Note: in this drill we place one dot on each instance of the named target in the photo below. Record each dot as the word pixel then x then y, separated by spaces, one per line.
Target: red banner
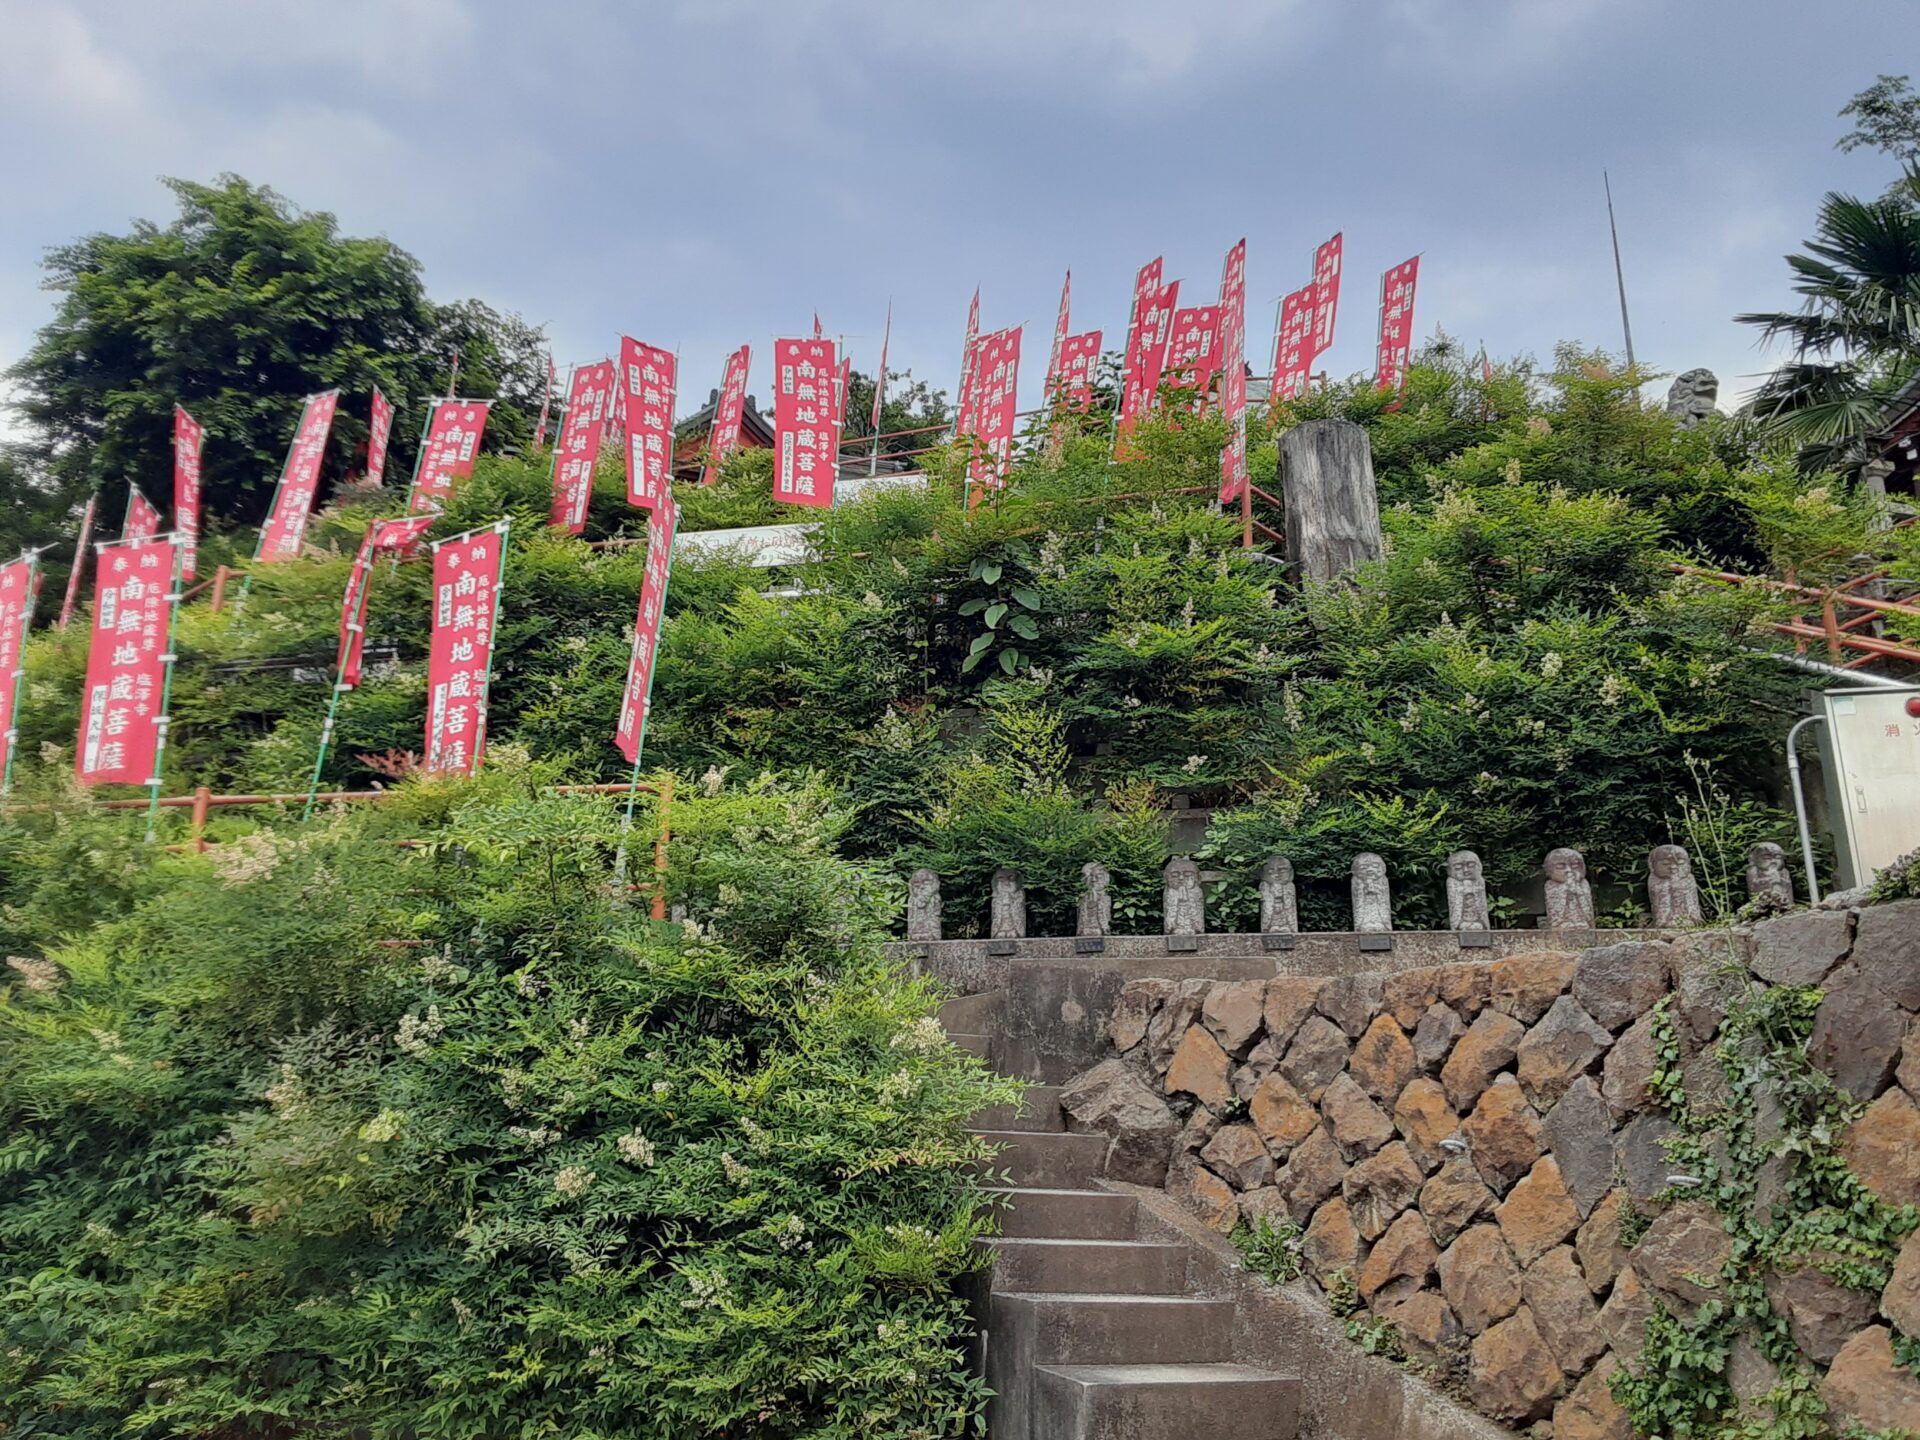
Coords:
pixel 466 599
pixel 1079 360
pixel 996 378
pixel 963 412
pixel 79 560
pixel 397 538
pixel 1193 351
pixel 19 583
pixel 1155 331
pixel 1293 347
pixel 299 480
pixel 546 406
pixel 649 377
pixel 804 372
pixel 188 438
pixel 727 414
pixel 637 700
pixel 379 432
pixel 1326 294
pixel 447 453
pixel 1060 327
pixel 1233 372
pixel 143 520
pixel 122 711
pixel 581 433
pixel 1396 325
pixel 1135 395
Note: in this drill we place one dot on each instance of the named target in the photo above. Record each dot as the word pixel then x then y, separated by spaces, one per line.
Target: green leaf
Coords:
pixel 1027 596
pixel 973 607
pixel 1024 627
pixel 995 611
pixel 990 572
pixel 1009 660
pixel 972 660
pixel 981 642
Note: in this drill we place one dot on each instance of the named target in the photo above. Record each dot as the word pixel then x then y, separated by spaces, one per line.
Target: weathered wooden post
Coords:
pixel 1333 509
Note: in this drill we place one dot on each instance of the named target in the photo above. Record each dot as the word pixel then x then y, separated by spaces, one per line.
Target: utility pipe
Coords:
pixel 1800 804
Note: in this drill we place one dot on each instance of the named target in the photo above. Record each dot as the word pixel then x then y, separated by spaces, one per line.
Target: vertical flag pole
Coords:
pixel 1619 275
pixel 356 624
pixel 18 678
pixel 165 722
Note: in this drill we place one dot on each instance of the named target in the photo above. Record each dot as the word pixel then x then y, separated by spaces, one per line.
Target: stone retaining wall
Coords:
pixel 1478 1147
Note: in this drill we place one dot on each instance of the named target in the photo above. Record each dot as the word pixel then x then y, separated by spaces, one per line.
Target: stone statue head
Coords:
pixel 1767 859
pixel 1369 866
pixel 924 879
pixel 1277 871
pixel 1692 395
pixel 1566 865
pixel 1463 865
pixel 1093 875
pixel 1669 861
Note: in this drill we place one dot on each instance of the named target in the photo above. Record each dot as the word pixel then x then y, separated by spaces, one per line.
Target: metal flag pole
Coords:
pixel 165 721
pixel 19 675
pixel 356 626
pixel 1619 275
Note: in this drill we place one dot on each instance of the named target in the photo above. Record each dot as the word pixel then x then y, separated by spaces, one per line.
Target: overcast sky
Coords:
pixel 705 172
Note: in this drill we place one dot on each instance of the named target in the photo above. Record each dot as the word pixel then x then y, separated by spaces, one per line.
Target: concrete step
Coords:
pixel 1080 1329
pixel 1161 1402
pixel 1042 1214
pixel 1039 1109
pixel 1047 1160
pixel 1109 1267
pixel 981 1045
pixel 979 1014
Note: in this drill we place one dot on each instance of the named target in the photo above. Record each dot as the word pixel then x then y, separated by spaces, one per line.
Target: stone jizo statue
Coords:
pixel 1279 904
pixel 1672 895
pixel 1569 896
pixel 1096 903
pixel 1007 920
pixel 1372 896
pixel 1466 892
pixel 1186 901
pixel 923 906
pixel 1691 397
pixel 1769 882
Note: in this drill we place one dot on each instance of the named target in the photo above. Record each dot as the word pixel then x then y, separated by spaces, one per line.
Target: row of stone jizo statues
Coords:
pixel 1673 896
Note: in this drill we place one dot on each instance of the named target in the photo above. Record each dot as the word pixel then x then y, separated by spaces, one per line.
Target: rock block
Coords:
pixel 1598 1243
pixel 1617 984
pixel 1289 1000
pixel 1426 1326
pixel 1513 1375
pixel 1400 1262
pixel 1382 1060
pixel 1330 1243
pixel 1800 949
pixel 1453 1199
pixel 1590 1412
pixel 1822 1313
pixel 1317 1054
pixel 1556 1293
pixel 1466 986
pixel 1352 1001
pixel 1562 1046
pixel 1627 1073
pixel 1886 943
pixel 1237 1155
pixel 1525 985
pixel 1488 1047
pixel 1314 1171
pixel 1882 1147
pixel 1624 1318
pixel 1378 1189
pixel 1440 1028
pixel 1479 1278
pixel 1424 1119
pixel 1408 995
pixel 1900 1301
pixel 1360 1126
pixel 1502 1133
pixel 1538 1213
pixel 1112 1100
pixel 1857 1033
pixel 1232 1012
pixel 1866 1384
pixel 1681 1256
pixel 1204 1193
pixel 1170 1022
pixel 1200 1068
pixel 1640 1156
pixel 1578 1132
pixel 1133 1012
pixel 1281 1115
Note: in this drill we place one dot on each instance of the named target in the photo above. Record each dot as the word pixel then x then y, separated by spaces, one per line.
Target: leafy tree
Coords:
pixel 1886 117
pixel 237 309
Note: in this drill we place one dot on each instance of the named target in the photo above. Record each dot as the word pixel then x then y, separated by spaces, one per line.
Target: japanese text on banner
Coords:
pixel 1396 324
pixel 581 431
pixel 1079 359
pixel 647 381
pixel 447 454
pixel 293 501
pixel 805 376
pixel 396 538
pixel 143 520
pixel 728 414
pixel 637 699
pixel 122 707
pixel 1193 352
pixel 466 596
pixel 187 442
pixel 1135 392
pixel 16 611
pixel 1293 347
pixel 379 431
pixel 1326 293
pixel 963 415
pixel 996 381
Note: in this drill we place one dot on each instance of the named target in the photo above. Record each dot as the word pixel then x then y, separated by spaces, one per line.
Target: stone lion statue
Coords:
pixel 1691 397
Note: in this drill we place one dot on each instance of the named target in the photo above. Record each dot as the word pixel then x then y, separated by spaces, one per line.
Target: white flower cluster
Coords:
pixel 793 1235
pixel 574 1181
pixel 737 1173
pixel 246 858
pixel 896 1087
pixel 709 1289
pixel 437 967
pixel 540 1136
pixel 1194 763
pixel 635 1149
pixel 926 1036
pixel 758 1140
pixel 42 977
pixel 288 1093
pixel 1612 690
pixel 714 781
pixel 418 1032
pixel 383 1127
pixel 1551 665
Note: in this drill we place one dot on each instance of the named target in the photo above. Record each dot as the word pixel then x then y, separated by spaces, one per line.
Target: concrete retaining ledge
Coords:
pixel 1345 1393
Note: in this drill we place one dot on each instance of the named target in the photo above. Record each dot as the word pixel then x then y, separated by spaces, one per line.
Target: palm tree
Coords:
pixel 1856 336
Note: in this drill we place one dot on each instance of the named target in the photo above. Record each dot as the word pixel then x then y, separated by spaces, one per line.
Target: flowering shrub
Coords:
pixel 322 1133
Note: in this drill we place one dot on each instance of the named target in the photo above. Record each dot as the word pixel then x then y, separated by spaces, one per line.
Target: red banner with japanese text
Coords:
pixel 996 378
pixel 188 438
pixel 1060 327
pixel 582 430
pixel 79 560
pixel 636 701
pixel 447 453
pixel 1079 362
pixel 1326 293
pixel 1136 393
pixel 805 373
pixel 963 415
pixel 143 519
pixel 1396 325
pixel 1233 372
pixel 299 480
pixel 19 584
pixel 1293 348
pixel 122 710
pixel 379 432
pixel 546 405
pixel 396 538
pixel 649 377
pixel 1193 351
pixel 466 603
pixel 728 414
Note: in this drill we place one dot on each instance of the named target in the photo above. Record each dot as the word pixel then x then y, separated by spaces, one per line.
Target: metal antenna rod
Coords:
pixel 1619 275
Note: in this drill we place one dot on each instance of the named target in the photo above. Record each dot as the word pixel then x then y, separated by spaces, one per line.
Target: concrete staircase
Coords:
pixel 1089 1332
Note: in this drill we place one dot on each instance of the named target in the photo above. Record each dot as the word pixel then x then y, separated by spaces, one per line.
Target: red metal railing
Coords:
pixel 1843 614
